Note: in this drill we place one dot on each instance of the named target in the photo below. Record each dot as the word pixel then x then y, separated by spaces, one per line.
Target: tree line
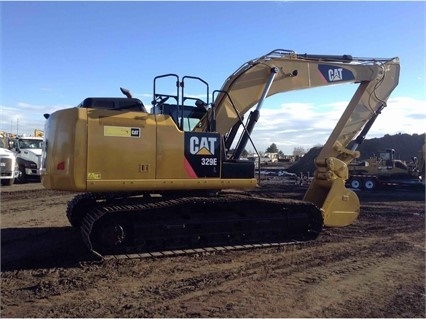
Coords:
pixel 297 151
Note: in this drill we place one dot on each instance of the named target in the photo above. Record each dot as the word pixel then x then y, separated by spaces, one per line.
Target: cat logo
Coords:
pixel 135 132
pixel 332 73
pixel 202 145
pixel 335 74
pixel 202 154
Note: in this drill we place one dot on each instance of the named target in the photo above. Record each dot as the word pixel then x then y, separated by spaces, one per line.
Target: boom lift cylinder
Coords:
pixel 254 116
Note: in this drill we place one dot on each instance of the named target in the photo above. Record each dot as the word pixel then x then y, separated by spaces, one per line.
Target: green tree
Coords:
pixel 272 149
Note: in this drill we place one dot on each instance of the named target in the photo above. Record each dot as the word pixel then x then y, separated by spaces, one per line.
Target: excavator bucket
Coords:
pixel 340 205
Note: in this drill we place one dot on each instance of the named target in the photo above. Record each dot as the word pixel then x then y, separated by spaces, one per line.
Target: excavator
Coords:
pixel 383 169
pixel 166 179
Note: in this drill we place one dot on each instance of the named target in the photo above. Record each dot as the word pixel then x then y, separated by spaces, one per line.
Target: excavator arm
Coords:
pixel 281 71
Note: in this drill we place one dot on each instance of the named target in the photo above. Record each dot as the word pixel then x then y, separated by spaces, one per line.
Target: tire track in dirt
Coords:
pixel 325 268
pixel 22 201
pixel 35 208
pixel 344 278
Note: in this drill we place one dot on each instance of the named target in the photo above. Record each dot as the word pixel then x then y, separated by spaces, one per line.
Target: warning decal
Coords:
pixel 122 131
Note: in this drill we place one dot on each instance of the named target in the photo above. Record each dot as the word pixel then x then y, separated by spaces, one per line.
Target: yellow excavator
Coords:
pixel 166 179
pixel 383 169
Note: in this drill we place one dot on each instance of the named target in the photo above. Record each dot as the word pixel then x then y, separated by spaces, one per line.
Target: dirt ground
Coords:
pixel 373 268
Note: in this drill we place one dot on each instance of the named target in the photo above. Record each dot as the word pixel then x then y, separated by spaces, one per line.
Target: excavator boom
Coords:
pixel 281 71
pixel 243 89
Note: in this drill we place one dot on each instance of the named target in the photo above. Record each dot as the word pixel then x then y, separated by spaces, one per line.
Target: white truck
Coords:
pixel 8 166
pixel 28 155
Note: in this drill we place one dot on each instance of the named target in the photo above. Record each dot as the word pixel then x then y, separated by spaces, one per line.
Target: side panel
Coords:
pixel 170 150
pixel 121 146
pixel 103 150
pixel 65 150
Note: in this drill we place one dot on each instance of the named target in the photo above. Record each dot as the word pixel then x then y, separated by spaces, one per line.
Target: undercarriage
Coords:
pixel 116 224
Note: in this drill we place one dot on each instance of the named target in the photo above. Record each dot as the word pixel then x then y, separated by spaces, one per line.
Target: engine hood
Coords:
pixel 6 152
pixel 29 152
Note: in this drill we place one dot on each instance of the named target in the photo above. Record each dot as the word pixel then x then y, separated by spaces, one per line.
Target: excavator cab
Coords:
pixel 388 158
pixel 186 116
pixel 188 119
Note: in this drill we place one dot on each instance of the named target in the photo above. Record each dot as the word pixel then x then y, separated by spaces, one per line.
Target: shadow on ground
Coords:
pixel 42 247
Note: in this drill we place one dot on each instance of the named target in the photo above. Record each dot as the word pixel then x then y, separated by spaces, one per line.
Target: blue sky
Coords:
pixel 55 54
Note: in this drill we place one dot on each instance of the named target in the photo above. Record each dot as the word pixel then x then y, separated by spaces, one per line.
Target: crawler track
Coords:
pixel 129 224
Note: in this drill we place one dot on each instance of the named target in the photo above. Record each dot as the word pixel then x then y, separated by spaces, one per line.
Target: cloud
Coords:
pixel 9 117
pixel 307 125
pixel 402 115
pixel 25 117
